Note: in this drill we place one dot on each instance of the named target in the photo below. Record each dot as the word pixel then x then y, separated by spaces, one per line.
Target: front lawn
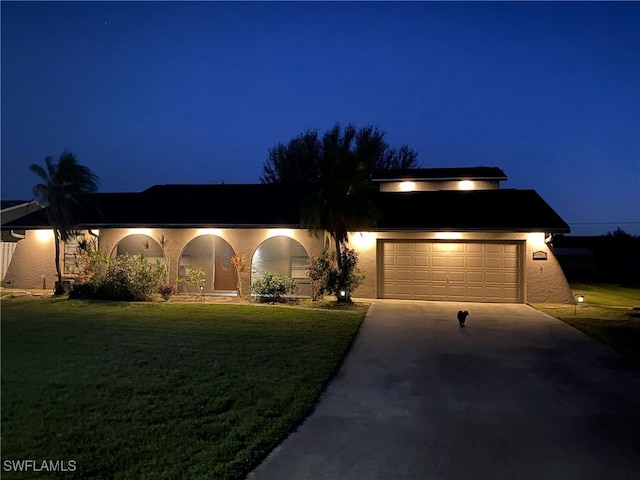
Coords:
pixel 160 390
pixel 610 314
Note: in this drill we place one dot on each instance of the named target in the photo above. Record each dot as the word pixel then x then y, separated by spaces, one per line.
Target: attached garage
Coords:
pixel 451 271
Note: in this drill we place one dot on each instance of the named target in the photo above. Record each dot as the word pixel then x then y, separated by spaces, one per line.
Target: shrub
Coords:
pixel 323 271
pixel 83 291
pixel 127 278
pixel 271 287
pixel 197 278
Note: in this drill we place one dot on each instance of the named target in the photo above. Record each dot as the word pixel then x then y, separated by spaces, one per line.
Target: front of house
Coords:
pixel 447 234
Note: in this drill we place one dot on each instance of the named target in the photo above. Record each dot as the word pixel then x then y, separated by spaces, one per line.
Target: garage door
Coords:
pixel 451 271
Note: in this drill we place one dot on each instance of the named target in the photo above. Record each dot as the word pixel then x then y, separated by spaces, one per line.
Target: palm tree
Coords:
pixel 65 186
pixel 342 198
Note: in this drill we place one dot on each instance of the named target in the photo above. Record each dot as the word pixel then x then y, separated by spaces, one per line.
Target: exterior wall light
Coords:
pixel 139 231
pixel 363 240
pixel 280 232
pixel 537 239
pixel 44 235
pixel 343 293
pixel 466 185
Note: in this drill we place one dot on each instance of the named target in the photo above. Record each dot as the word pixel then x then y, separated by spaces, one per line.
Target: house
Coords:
pixel 448 234
pixel 11 210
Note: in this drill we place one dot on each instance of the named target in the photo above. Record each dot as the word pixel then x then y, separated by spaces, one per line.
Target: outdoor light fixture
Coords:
pixel 363 239
pixel 407 186
pixel 44 235
pixel 343 293
pixel 579 299
pixel 465 185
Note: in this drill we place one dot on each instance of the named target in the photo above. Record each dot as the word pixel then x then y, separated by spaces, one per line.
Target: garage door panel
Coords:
pixel 457 276
pixel 439 276
pixel 494 263
pixel 511 263
pixel 454 271
pixel 474 277
pixel 457 262
pixel 511 248
pixel 438 261
pixel 404 261
pixel 421 261
pixel 474 262
pixel 420 275
pixel 404 247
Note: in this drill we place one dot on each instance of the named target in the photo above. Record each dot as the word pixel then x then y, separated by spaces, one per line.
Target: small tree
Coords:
pixel 240 264
pixel 333 277
pixel 196 277
pixel 316 271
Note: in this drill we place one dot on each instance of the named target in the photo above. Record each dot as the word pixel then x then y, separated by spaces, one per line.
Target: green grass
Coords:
pixel 151 391
pixel 608 295
pixel 610 314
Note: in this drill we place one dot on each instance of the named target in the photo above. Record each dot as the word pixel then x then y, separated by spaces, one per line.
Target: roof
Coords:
pixel 453 173
pixel 475 210
pixel 6 204
pixel 273 205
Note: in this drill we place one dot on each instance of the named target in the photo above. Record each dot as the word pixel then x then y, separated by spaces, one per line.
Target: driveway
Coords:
pixel 514 395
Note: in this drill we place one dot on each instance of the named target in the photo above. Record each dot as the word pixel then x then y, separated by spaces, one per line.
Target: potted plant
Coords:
pixel 166 291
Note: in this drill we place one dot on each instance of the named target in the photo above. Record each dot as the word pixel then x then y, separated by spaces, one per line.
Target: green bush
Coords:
pixel 83 291
pixel 323 271
pixel 127 278
pixel 271 287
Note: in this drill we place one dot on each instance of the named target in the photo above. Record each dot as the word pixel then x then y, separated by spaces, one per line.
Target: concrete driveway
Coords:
pixel 514 395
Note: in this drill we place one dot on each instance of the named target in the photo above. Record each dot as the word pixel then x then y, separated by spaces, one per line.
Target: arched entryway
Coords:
pixel 212 255
pixel 139 244
pixel 284 256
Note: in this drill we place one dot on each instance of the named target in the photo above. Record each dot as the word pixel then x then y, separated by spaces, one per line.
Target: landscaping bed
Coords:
pixel 161 390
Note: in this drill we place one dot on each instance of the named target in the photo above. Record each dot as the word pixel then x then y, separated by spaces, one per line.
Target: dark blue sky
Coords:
pixel 148 93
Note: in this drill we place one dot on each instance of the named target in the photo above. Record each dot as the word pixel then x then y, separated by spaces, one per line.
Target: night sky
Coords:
pixel 151 93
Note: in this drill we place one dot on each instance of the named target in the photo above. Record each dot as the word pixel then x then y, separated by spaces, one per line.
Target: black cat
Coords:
pixel 462 316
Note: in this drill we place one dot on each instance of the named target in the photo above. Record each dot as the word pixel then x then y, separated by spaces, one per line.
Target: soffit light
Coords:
pixel 407 186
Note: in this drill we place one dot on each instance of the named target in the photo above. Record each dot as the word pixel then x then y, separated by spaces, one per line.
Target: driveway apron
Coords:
pixel 514 395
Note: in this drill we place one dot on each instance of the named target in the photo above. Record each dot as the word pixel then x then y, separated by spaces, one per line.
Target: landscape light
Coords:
pixel 580 299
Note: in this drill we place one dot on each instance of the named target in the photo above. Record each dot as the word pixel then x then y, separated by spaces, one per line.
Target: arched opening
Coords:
pixel 284 256
pixel 211 255
pixel 139 244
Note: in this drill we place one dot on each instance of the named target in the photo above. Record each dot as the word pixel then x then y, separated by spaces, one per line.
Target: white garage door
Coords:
pixel 451 271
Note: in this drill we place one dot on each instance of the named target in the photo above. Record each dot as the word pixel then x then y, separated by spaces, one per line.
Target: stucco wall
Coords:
pixel 32 264
pixel 545 280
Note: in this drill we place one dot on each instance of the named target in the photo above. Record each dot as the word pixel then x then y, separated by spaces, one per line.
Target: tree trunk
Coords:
pixel 339 295
pixel 59 288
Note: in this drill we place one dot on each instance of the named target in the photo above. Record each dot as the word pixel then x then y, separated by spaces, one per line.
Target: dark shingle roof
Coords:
pixel 273 205
pixel 494 210
pixel 453 173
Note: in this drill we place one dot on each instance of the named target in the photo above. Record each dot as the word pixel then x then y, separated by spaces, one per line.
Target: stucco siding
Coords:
pixel 32 264
pixel 545 280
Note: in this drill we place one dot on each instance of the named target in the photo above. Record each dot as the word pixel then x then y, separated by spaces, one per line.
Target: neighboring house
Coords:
pixel 447 234
pixel 11 210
